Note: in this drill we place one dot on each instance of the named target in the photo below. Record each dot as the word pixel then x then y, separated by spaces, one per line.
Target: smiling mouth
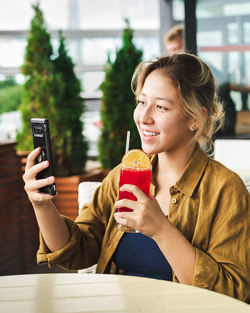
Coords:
pixel 150 134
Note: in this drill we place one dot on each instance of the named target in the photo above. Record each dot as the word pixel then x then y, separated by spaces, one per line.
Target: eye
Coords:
pixel 161 108
pixel 140 102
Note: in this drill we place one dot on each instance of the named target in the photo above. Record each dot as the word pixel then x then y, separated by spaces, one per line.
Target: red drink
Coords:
pixel 134 176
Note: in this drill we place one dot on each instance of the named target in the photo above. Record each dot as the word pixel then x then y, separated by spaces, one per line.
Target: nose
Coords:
pixel 146 116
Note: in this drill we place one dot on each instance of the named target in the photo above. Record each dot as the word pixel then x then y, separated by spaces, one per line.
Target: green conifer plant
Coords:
pixel 72 153
pixel 52 90
pixel 118 103
pixel 38 99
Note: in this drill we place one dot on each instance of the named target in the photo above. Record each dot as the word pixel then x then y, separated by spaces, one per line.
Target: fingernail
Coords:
pixel 51 179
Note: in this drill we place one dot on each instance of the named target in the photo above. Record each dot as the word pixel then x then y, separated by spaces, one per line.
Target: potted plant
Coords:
pixel 52 90
pixel 72 152
pixel 118 103
pixel 38 90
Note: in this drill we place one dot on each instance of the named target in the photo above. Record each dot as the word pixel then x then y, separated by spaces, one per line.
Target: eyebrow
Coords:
pixel 159 98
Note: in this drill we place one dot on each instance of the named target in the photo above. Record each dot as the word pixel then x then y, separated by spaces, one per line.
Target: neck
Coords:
pixel 174 162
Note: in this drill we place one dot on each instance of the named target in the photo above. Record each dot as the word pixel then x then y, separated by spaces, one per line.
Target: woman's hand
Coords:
pixel 54 230
pixel 149 219
pixel 31 184
pixel 147 216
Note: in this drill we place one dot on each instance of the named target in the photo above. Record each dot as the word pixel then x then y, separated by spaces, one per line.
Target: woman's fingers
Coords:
pixel 40 197
pixel 125 203
pixel 146 215
pixel 137 192
pixel 35 185
pixel 38 168
pixel 32 185
pixel 120 218
pixel 31 158
pixel 142 199
pixel 125 218
pixel 32 172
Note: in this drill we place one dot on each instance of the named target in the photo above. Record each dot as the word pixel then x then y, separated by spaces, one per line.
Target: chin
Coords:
pixel 148 149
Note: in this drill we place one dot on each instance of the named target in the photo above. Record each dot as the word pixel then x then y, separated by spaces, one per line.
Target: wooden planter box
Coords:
pixel 67 187
pixel 18 226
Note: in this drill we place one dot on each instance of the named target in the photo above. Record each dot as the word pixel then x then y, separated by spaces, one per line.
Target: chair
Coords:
pixel 86 190
pixel 85 194
pixel 234 154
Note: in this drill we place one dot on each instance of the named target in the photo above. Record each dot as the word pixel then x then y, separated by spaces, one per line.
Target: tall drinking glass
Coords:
pixel 140 177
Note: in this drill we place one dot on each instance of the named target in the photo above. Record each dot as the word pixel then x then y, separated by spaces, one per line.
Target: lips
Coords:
pixel 148 133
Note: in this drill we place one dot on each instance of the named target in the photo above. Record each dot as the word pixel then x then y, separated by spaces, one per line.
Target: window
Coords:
pixel 93 31
pixel 223 41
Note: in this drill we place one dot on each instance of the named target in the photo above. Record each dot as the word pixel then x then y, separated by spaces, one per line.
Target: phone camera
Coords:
pixel 38 131
pixel 41 157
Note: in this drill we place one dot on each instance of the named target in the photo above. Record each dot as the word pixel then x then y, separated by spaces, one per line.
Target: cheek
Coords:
pixel 172 126
pixel 168 125
pixel 136 115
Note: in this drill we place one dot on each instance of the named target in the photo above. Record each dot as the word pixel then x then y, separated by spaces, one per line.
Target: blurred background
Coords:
pixel 93 30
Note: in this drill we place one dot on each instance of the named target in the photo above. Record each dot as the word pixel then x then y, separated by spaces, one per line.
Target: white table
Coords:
pixel 51 293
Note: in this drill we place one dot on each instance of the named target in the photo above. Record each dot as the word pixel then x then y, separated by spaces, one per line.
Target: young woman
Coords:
pixel 195 228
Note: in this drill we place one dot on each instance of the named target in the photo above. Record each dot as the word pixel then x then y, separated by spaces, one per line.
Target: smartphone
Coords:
pixel 41 138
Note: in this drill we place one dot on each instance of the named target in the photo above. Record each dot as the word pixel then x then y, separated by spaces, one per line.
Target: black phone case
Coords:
pixel 41 138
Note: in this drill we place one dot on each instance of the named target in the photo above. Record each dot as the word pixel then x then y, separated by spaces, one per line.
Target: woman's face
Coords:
pixel 161 123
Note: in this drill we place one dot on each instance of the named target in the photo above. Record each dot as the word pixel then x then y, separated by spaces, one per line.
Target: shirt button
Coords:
pixel 174 201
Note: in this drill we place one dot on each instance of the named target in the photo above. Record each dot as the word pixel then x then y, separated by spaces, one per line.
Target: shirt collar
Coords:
pixel 192 173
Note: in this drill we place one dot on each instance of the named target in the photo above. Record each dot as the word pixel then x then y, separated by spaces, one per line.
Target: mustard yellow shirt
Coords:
pixel 209 204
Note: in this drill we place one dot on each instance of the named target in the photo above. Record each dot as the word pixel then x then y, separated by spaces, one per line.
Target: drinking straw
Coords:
pixel 127 141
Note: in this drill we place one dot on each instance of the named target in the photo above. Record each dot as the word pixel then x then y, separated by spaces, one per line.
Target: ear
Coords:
pixel 194 124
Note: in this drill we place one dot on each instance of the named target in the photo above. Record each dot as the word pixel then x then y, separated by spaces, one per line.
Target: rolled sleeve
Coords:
pixel 89 233
pixel 60 257
pixel 206 270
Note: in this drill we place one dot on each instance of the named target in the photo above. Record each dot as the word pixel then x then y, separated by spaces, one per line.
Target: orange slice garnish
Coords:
pixel 136 158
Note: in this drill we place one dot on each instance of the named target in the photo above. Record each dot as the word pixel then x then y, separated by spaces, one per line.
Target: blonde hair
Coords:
pixel 196 86
pixel 176 32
